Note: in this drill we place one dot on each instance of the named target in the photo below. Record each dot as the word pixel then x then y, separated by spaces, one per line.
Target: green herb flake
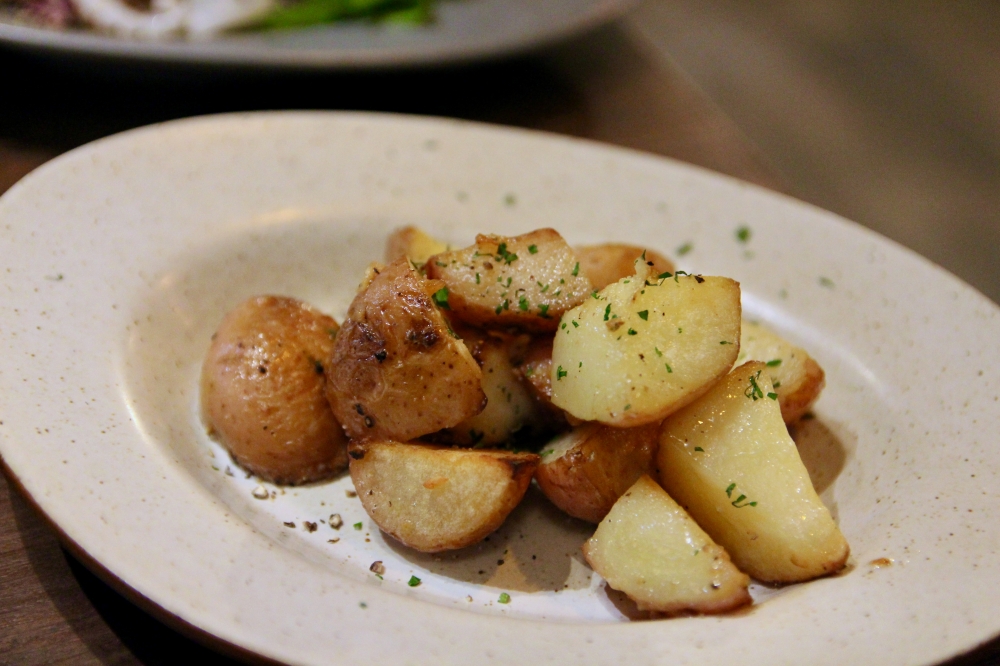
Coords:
pixel 523 304
pixel 772 396
pixel 504 598
pixel 544 287
pixel 669 369
pixel 743 234
pixel 729 490
pixel 504 255
pixel 362 605
pixel 664 276
pixel 413 582
pixel 560 373
pixel 773 363
pixel 563 325
pixel 826 282
pixel 576 270
pixel 575 323
pixel 510 200
pixel 777 384
pixel 632 331
pixel 644 315
pixel 684 249
pixel 532 249
pixel 754 392
pixel 607 312
pixel 657 350
pixel 503 306
pixel 698 448
pixel 440 298
pixel 357 526
pixel 543 311
pixel 725 342
pixel 628 407
pixel 477 278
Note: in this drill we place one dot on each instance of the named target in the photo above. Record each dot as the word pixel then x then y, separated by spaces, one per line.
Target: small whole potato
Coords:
pixel 263 391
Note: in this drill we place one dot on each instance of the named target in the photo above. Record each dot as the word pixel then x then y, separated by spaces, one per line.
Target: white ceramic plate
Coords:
pixel 464 30
pixel 119 259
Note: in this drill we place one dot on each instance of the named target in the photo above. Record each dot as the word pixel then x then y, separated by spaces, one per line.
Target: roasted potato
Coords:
pixel 650 549
pixel 586 470
pixel 797 378
pixel 397 370
pixel 262 390
pixel 643 348
pixel 525 281
pixel 607 263
pixel 728 460
pixel 413 243
pixel 432 498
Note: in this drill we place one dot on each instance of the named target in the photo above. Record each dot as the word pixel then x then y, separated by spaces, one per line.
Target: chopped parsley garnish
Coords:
pixel 594 293
pixel 504 255
pixel 510 200
pixel 523 304
pixel 632 331
pixel 560 373
pixel 772 396
pixel 504 598
pixel 725 342
pixel 576 270
pixel 477 278
pixel 826 282
pixel 413 582
pixel 563 325
pixel 773 363
pixel 669 369
pixel 698 448
pixel 440 298
pixel 644 315
pixel 657 350
pixel 607 312
pixel 664 276
pixel 575 324
pixel 532 249
pixel 628 407
pixel 684 249
pixel 357 526
pixel 543 287
pixel 543 311
pixel 754 392
pixel 743 234
pixel 777 384
pixel 503 306
pixel 736 502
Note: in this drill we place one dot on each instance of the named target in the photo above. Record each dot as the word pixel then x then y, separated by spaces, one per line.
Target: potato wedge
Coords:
pixel 728 459
pixel 397 371
pixel 585 471
pixel 525 281
pixel 262 391
pixel 510 406
pixel 609 262
pixel 642 349
pixel 432 498
pixel 413 243
pixel 650 549
pixel 797 378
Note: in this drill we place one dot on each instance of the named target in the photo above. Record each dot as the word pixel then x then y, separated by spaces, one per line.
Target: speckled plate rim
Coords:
pixel 449 42
pixel 900 337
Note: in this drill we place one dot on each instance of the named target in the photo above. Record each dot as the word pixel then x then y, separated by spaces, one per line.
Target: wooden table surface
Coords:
pixel 611 85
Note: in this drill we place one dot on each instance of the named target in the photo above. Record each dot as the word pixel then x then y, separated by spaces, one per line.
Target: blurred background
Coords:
pixel 886 113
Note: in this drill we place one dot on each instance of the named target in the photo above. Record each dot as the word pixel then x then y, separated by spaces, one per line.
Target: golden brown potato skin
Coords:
pixel 262 391
pixel 526 282
pixel 610 262
pixel 397 371
pixel 413 243
pixel 432 498
pixel 599 465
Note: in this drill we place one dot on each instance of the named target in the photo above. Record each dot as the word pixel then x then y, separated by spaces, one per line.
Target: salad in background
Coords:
pixel 194 19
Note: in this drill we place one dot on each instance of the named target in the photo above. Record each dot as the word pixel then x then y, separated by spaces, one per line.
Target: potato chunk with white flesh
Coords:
pixel 525 281
pixel 643 348
pixel 413 243
pixel 585 471
pixel 728 459
pixel 262 390
pixel 610 262
pixel 510 406
pixel 432 498
pixel 397 369
pixel 798 379
pixel 650 549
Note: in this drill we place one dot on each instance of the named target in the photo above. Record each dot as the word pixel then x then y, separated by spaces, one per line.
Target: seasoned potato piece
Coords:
pixel 798 379
pixel 651 550
pixel 433 499
pixel 536 368
pixel 728 459
pixel 413 243
pixel 586 470
pixel 262 390
pixel 609 262
pixel 510 406
pixel 397 370
pixel 524 281
pixel 642 349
